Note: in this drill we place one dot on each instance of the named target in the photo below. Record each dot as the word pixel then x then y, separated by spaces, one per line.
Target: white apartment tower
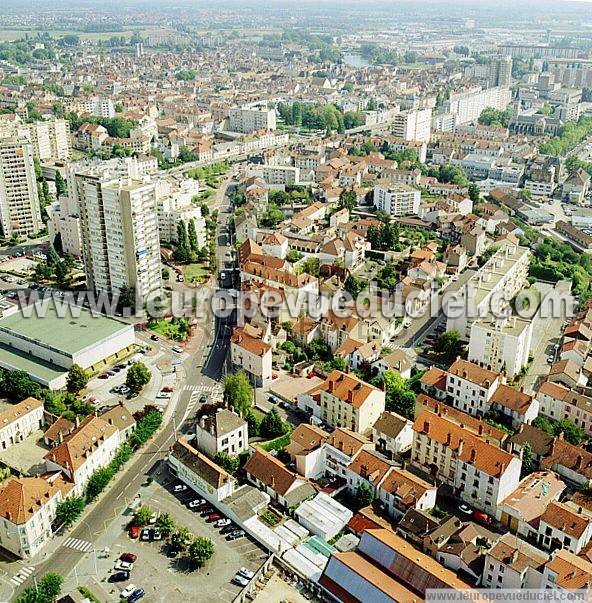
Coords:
pixel 397 199
pixel 414 124
pixel 119 228
pixel 19 199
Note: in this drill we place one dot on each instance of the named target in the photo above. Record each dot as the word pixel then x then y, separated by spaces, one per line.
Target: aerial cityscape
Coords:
pixel 295 301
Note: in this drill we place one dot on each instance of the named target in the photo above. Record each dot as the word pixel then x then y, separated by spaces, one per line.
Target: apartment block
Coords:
pixel 19 200
pixel 343 400
pixel 413 124
pixel 478 472
pixel 19 421
pixel 251 118
pixel 497 282
pixel 501 345
pixel 63 220
pixel 120 238
pixel 397 200
pixel 27 511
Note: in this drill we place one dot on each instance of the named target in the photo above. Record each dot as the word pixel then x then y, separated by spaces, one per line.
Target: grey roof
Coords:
pixel 391 424
pixel 246 502
pixel 222 422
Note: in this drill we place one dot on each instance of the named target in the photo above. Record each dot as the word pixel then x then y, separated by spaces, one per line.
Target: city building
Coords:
pixel 252 355
pixel 501 345
pixel 251 118
pixel 497 281
pixel 221 431
pixel 397 199
pixel 63 220
pixel 90 447
pixel 19 421
pixel 45 342
pixel 27 512
pixel 343 400
pixel 120 237
pixel 413 124
pixel 479 472
pixel 20 212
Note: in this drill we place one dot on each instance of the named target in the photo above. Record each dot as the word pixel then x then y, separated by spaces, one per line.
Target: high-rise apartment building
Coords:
pixel 19 199
pixel 500 72
pixel 397 199
pixel 119 228
pixel 50 137
pixel 413 124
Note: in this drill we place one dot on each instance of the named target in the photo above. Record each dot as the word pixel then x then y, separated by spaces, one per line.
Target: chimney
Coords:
pixel 480 430
pixel 350 395
pixel 473 455
pixel 331 385
pixel 426 427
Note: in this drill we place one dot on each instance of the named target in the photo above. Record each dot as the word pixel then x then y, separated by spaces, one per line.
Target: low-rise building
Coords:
pixel 392 434
pixel 19 421
pixel 563 527
pixel 221 431
pixel 27 511
pixel 252 355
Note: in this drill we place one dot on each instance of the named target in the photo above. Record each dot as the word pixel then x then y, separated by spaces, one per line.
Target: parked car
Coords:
pixel 177 349
pixel 125 566
pixel 154 337
pixel 240 580
pixel 196 503
pixel 482 518
pixel 203 507
pixel 550 359
pixel 119 577
pixel 227 529
pixel 156 535
pixel 126 592
pixel 247 573
pixel 167 388
pixel 103 376
pixel 172 552
pixel 207 511
pixel 465 509
pixel 164 395
pixel 136 595
pixel 222 523
pixel 153 518
pixel 134 531
pixel 129 557
pixel 213 517
pixel 180 488
pixel 145 535
pixel 235 534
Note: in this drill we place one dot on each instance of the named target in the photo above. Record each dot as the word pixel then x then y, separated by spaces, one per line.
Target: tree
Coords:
pixel 138 375
pixel 77 379
pixel 165 523
pixel 238 392
pixel 227 462
pixel 17 385
pixel 142 515
pixel 273 216
pixel 474 193
pixel 181 538
pixel 200 550
pixel 354 285
pixel 399 397
pixel 182 250
pixel 253 423
pixel 60 183
pixel 571 432
pixel 527 465
pixel 449 345
pixel 272 425
pixel 347 200
pixel 364 495
pixel 69 510
pixel 192 236
pixel 127 298
pixel 47 590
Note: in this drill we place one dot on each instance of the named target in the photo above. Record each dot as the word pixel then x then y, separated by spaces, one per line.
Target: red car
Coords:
pixel 103 376
pixel 167 388
pixel 134 532
pixel 129 557
pixel 482 518
pixel 213 517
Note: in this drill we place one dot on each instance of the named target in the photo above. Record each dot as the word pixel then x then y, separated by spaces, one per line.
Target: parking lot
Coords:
pixel 213 582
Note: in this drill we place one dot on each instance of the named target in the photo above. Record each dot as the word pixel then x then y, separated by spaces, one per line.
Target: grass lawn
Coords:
pixel 168 329
pixel 258 413
pixel 277 444
pixel 195 273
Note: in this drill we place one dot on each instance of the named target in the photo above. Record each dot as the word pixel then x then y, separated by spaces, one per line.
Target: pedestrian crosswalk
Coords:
pixel 22 576
pixel 84 546
pixel 211 392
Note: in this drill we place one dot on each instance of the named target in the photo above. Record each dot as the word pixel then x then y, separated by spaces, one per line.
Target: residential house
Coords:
pixel 221 431
pixel 392 434
pixel 17 422
pixel 563 527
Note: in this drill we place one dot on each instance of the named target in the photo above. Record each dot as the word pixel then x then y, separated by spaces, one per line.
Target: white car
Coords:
pixel 128 590
pixel 247 573
pixel 196 503
pixel 177 349
pixel 164 395
pixel 125 566
pixel 222 523
pixel 153 518
pixel 180 488
pixel 240 580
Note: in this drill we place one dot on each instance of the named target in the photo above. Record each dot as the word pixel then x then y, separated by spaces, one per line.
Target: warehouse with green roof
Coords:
pixel 47 338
